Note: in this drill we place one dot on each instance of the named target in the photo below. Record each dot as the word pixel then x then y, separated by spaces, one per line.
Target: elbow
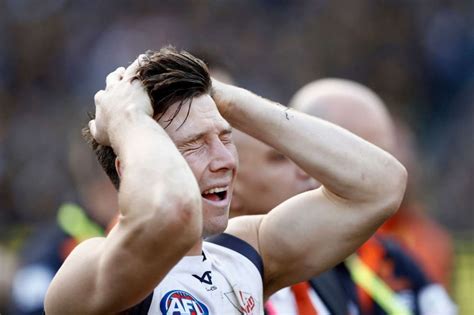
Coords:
pixel 188 219
pixel 183 216
pixel 169 213
pixel 393 189
pixel 398 187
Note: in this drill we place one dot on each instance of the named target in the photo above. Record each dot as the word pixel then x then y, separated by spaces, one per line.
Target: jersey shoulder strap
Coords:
pixel 240 246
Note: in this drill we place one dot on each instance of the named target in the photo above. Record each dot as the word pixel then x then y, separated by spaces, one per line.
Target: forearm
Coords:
pixel 154 175
pixel 338 159
pixel 159 198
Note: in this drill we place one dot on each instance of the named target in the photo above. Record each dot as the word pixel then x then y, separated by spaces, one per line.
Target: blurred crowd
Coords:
pixel 54 54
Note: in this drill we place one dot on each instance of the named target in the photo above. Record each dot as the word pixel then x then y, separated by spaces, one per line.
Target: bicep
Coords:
pixel 308 234
pixel 101 276
pixel 72 282
pixel 108 275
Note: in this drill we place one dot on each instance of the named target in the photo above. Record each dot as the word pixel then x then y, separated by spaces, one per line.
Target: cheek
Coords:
pixel 197 165
pixel 233 151
pixel 278 182
pixel 262 181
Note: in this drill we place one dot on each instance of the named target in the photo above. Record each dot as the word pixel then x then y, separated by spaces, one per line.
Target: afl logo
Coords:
pixel 179 302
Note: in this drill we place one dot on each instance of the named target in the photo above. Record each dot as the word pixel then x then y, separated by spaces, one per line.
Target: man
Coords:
pixel 361 111
pixel 176 186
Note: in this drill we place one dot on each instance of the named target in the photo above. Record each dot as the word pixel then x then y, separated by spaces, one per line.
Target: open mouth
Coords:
pixel 215 194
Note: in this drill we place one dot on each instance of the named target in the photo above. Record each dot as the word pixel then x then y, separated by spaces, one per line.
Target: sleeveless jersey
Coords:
pixel 227 279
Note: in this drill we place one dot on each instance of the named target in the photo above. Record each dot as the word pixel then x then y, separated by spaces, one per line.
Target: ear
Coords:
pixel 118 167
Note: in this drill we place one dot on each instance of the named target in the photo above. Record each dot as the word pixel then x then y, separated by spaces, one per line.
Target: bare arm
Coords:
pixel 309 233
pixel 158 196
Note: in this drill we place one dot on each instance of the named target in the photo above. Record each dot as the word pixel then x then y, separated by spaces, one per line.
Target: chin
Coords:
pixel 215 226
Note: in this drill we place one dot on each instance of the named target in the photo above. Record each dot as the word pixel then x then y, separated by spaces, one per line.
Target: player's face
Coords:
pixel 205 141
pixel 266 177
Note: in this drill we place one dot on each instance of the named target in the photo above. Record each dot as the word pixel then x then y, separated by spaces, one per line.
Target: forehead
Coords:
pixel 201 118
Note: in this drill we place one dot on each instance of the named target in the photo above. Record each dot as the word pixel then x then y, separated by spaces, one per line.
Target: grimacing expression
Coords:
pixel 266 177
pixel 205 141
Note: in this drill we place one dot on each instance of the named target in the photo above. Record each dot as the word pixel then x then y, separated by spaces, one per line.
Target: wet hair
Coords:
pixel 169 76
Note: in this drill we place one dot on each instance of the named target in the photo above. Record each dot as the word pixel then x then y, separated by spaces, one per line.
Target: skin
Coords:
pixel 266 177
pixel 126 265
pixel 353 194
pixel 161 192
pixel 268 174
pixel 350 105
pixel 205 141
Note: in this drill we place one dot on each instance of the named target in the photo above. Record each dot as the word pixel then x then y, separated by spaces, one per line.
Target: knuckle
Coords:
pixel 98 97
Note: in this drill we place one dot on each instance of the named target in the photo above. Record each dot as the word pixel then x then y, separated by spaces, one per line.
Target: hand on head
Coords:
pixel 122 94
pixel 220 96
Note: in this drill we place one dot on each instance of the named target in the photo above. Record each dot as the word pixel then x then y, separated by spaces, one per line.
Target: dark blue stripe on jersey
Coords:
pixel 240 246
pixel 141 308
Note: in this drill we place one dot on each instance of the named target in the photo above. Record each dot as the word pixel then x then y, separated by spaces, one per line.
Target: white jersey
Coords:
pixel 225 280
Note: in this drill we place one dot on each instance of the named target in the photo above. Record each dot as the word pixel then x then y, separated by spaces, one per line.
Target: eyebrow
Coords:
pixel 196 137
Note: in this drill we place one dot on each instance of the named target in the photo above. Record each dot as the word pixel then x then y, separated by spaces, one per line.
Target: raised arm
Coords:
pixel 362 186
pixel 158 196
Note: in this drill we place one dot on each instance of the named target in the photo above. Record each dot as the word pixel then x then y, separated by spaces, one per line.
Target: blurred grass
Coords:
pixel 463 292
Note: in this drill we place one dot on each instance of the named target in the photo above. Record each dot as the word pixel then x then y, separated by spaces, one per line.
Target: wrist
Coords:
pixel 226 97
pixel 123 123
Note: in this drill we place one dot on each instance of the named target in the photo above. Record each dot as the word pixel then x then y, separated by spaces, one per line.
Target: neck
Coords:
pixel 196 249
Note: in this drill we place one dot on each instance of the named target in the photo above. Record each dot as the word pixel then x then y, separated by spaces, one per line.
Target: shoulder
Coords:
pixel 246 228
pixel 235 250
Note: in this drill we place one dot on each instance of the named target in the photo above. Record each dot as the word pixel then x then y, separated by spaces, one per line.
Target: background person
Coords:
pixel 359 110
pixel 46 249
pixel 266 178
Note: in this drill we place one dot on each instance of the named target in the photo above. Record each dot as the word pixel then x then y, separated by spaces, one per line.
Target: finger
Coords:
pixel 131 70
pixel 98 97
pixel 114 76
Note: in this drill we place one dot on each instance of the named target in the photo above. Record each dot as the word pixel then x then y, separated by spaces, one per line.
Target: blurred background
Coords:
pixel 54 55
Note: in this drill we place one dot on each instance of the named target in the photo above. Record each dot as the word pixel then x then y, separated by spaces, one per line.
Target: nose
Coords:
pixel 222 156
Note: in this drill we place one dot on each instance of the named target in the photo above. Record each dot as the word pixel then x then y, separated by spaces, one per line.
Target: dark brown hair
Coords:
pixel 169 76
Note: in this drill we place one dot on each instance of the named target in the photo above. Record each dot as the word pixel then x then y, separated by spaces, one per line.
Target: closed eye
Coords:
pixel 190 146
pixel 275 156
pixel 226 136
